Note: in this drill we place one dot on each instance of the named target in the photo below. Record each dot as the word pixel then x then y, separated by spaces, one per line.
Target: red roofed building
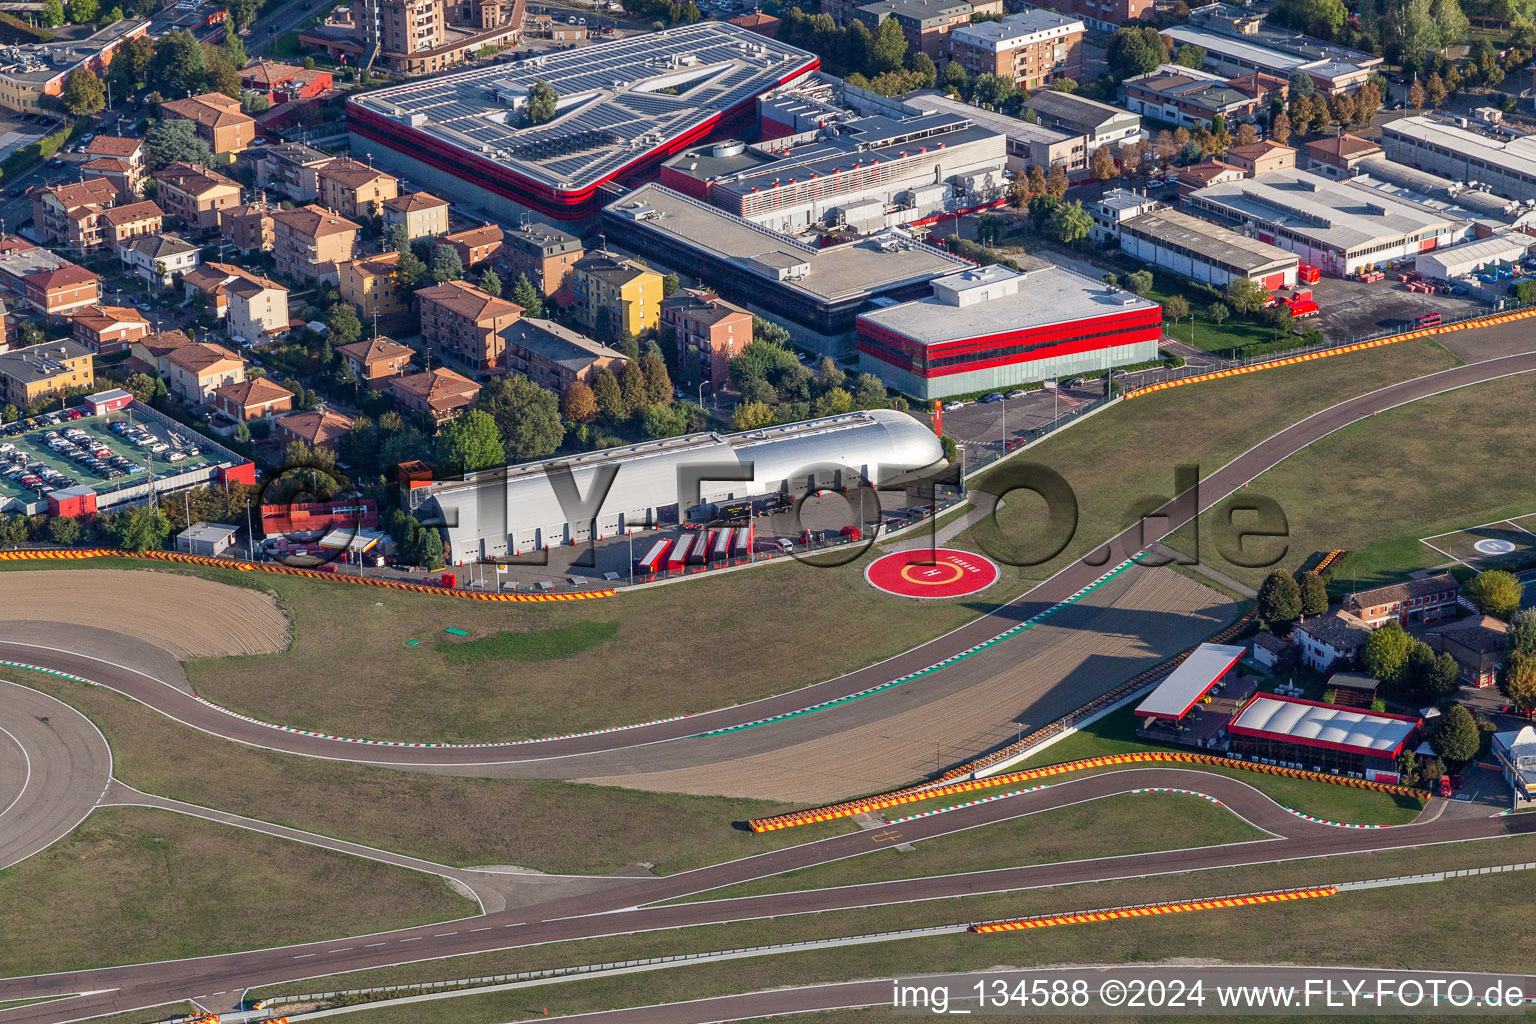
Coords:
pixel 56 292
pixel 284 83
pixel 108 329
pixel 1322 737
pixel 318 429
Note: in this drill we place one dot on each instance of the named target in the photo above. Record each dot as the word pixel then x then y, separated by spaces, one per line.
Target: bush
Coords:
pixel 14 30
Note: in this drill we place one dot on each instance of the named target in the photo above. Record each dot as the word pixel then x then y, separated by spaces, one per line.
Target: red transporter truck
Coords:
pixel 720 544
pixel 679 555
pixel 654 560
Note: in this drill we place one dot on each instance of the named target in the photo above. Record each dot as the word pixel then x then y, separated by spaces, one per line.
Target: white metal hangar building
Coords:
pixel 528 507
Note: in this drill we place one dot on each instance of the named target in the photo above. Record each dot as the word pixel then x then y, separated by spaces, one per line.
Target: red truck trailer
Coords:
pixel 720 545
pixel 679 555
pixel 654 560
pixel 742 546
pixel 699 553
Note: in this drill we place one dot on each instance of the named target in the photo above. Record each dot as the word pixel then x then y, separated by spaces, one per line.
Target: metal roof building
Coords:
pixel 523 508
pixel 1205 252
pixel 1189 682
pixel 1494 155
pixel 617 111
pixel 1296 731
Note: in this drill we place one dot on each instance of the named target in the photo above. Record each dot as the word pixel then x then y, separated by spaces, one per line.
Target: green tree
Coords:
pixel 490 282
pixel 1440 678
pixel 1321 18
pixel 52 14
pixel 1070 222
pixel 1314 594
pixel 83 93
pixel 1517 678
pixel 410 271
pixel 542 103
pixel 179 67
pixel 1522 631
pixel 1408 767
pixel 662 421
pixel 222 76
pixel 658 383
pixel 65 531
pixel 1385 654
pixel 141 385
pixel 527 296
pixel 342 327
pixel 869 392
pixel 469 442
pixel 1495 593
pixel 834 403
pixel 233 50
pixel 397 239
pixel 1302 84
pixel 1279 598
pixel 1455 737
pixel 669 285
pixel 1176 307
pixel 1135 51
pixel 751 415
pixel 82 12
pixel 889 48
pixel 527 416
pixel 926 71
pixel 610 399
pixel 632 387
pixel 446 265
pixel 1246 295
pixel 578 404
pixel 1190 55
pixel 138 529
pixel 129 60
pixel 1216 313
pixel 177 141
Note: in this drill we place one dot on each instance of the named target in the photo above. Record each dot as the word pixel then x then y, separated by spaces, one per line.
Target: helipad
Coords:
pixel 932 573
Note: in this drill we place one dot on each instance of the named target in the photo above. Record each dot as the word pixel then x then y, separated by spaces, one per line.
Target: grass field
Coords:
pixel 450 820
pixel 1439 464
pixel 659 652
pixel 1110 827
pixel 1351 933
pixel 134 884
pixel 1117 460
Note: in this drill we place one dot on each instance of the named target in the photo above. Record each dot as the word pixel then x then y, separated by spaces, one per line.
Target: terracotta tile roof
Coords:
pixel 1342 147
pixel 100 318
pixel 376 350
pixel 314 221
pixel 200 357
pixel 472 237
pixel 1206 172
pixel 414 201
pixel 351 173
pixel 212 109
pixel 1406 590
pixel 194 181
pixel 315 428
pixel 164 343
pixel 264 72
pixel 254 391
pixel 1338 629
pixel 1257 150
pixel 83 193
pixel 62 277
pixel 107 165
pixel 440 389
pixel 468 301
pixel 113 145
pixel 119 215
pixel 377 265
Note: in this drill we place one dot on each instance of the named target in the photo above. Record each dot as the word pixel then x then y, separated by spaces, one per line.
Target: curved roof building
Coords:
pixel 526 507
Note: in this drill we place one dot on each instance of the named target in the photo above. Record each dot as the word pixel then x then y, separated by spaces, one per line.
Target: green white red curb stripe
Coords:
pixel 1332 824
pixel 1187 792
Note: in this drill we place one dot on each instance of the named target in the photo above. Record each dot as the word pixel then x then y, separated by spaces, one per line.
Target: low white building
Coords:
pixel 1115 207
pixel 1458 261
pixel 1332 640
pixel 1205 252
pixel 159 258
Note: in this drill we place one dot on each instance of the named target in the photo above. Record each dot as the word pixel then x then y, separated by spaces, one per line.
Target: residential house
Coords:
pixel 614 297
pixel 1427 599
pixel 355 189
pixel 757 21
pixel 151 352
pixel 1331 640
pixel 194 372
pixel 476 245
pixel 158 259
pixel 209 281
pixel 255 398
pixel 107 329
pixel 1479 645
pixel 248 227
pixel 545 255
pixel 220 121
pixel 123 223
pixel 708 330
pixel 318 429
pixel 1209 172
pixel 926 24
pixel 284 83
pixel 1189 97
pixel 554 356
pixel 376 361
pixel 39 372
pixel 57 292
pixel 440 393
pixel 120 161
pixel 1336 156
pixel 309 243
pixel 1261 158
pixel 292 169
pixel 258 309
pixel 464 323
pixel 195 196
pixel 1103 15
pixel 371 284
pixel 69 215
pixel 423 215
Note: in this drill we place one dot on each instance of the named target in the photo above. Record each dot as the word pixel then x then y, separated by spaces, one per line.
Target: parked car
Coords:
pixel 993 397
pixel 952 406
pixel 1016 393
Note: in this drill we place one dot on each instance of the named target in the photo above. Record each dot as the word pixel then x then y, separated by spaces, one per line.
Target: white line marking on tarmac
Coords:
pixel 440 935
pixel 413 938
pixel 301 956
pixel 343 949
pixel 372 944
pixel 485 929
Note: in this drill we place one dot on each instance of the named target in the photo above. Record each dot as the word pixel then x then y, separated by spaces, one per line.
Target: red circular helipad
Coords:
pixel 932 573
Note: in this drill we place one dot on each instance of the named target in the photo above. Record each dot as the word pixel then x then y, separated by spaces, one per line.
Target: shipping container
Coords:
pixel 654 560
pixel 720 545
pixel 679 555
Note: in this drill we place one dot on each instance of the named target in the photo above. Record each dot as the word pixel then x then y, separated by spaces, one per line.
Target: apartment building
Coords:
pixel 377 361
pixel 708 331
pixel 441 394
pixel 194 372
pixel 614 296
pixel 159 259
pixel 284 83
pixel 33 374
pixel 371 284
pixel 69 215
pixel 250 400
pixel 124 223
pixel 1033 48
pixel 1190 97
pixel 120 161
pixel 220 121
pixel 1102 15
pixel 62 290
pixel 545 255
pixel 464 323
pixel 248 227
pixel 354 189
pixel 107 330
pixel 291 169
pixel 310 243
pixel 554 356
pixel 475 245
pixel 927 24
pixel 1261 158
pixel 422 214
pixel 316 428
pixel 258 309
pixel 195 196
pixel 1338 156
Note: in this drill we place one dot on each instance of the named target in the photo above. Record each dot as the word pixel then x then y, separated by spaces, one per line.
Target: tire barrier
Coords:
pixel 1154 909
pixel 205 702
pixel 1094 706
pixel 1360 346
pixel 292 570
pixel 915 794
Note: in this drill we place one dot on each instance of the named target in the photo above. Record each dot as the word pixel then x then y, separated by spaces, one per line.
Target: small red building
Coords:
pixel 72 502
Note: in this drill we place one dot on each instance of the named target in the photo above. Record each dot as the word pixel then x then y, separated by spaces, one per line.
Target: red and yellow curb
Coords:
pixel 1361 346
pixel 1155 909
pixel 290 570
pixel 915 794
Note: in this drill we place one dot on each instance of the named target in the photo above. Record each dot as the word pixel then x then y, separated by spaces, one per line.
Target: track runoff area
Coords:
pixel 1502 544
pixel 932 573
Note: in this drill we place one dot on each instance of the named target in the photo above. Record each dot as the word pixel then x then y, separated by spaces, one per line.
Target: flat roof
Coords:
pixel 1209 240
pixel 835 273
pixel 612 108
pixel 1219 44
pixel 1015 128
pixel 1189 682
pixel 1341 214
pixel 1016 27
pixel 1326 726
pixel 1504 148
pixel 1049 295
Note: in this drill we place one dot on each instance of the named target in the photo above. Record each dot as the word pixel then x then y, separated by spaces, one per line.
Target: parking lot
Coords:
pixel 26 454
pixel 1354 309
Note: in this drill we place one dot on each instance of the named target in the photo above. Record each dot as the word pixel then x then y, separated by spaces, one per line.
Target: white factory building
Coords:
pixel 1458 261
pixel 519 509
pixel 1493 154
pixel 1205 252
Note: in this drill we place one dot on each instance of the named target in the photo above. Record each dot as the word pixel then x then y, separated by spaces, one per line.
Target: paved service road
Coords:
pixel 618 911
pixel 54 765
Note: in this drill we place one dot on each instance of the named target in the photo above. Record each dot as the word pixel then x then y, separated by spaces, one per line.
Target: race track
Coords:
pixel 54 766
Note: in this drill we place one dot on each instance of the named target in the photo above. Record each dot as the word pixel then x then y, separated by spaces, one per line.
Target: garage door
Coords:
pixel 1274 281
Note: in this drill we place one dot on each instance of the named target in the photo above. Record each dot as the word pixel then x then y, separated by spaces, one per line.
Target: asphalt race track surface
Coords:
pixel 54 766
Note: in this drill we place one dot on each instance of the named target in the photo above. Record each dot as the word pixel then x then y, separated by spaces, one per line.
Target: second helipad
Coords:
pixel 932 573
